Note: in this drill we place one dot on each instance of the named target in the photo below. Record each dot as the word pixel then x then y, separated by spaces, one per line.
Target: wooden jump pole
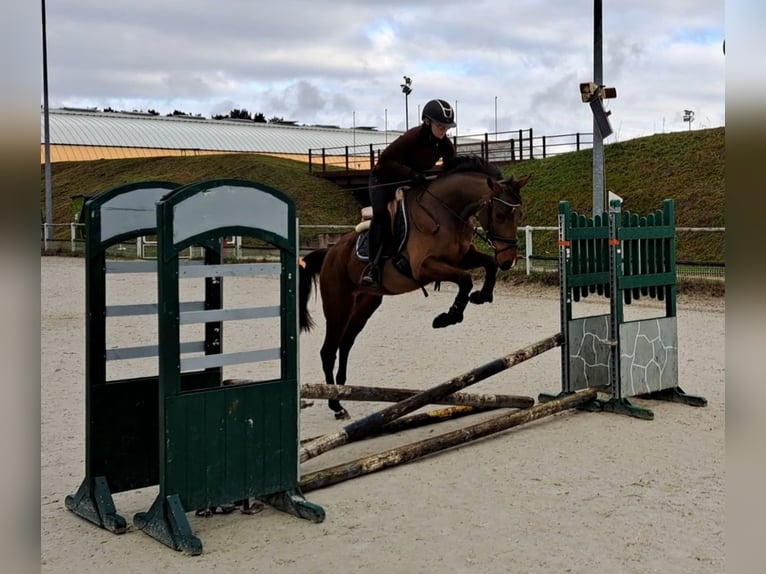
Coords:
pixel 409 452
pixel 364 426
pixel 410 422
pixel 394 395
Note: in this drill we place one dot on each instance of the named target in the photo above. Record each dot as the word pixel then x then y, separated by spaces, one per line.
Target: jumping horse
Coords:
pixel 434 228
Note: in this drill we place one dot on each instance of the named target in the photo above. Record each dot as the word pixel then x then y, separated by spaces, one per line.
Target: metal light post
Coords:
pixel 406 90
pixel 495 118
pixel 456 120
pixel 689 117
pixel 48 185
pixel 593 93
pixel 599 198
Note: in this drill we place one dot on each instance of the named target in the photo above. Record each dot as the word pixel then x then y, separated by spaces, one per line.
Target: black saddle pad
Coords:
pixel 401 229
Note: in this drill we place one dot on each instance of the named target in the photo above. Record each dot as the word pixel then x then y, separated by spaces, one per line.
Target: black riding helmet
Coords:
pixel 440 112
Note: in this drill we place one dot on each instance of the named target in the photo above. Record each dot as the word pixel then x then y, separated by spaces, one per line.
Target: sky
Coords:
pixel 504 65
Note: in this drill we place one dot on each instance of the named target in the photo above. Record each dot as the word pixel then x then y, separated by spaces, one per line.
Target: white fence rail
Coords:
pixel 145 248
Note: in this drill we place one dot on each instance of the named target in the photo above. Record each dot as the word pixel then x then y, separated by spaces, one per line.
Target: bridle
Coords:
pixel 490 236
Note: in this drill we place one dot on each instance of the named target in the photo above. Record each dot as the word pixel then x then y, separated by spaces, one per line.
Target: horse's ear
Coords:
pixel 524 180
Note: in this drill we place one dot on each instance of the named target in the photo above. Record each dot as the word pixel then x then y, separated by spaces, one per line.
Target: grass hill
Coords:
pixel 688 167
pixel 317 201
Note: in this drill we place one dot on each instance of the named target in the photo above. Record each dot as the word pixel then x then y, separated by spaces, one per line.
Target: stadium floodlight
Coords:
pixel 593 94
pixel 406 90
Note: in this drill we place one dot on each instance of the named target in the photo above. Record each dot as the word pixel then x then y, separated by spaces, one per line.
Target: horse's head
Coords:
pixel 500 218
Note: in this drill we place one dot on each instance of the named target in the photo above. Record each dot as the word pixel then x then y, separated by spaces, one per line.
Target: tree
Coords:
pixel 259 117
pixel 242 114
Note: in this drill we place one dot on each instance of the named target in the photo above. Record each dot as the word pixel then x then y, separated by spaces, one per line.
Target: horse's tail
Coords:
pixel 307 276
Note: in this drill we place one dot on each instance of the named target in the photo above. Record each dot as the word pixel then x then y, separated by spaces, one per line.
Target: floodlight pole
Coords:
pixel 406 113
pixel 406 90
pixel 48 188
pixel 456 120
pixel 599 199
pixel 689 117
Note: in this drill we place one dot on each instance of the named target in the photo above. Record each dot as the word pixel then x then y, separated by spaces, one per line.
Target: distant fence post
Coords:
pixel 528 247
pixel 310 160
pixel 372 157
pixel 531 143
pixel 544 155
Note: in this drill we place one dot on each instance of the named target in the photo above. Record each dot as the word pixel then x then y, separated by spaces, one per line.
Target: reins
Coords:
pixel 490 237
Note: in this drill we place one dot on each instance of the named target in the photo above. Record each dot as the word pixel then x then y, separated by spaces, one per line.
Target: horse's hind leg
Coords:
pixel 339 307
pixel 328 353
pixel 337 310
pixel 364 307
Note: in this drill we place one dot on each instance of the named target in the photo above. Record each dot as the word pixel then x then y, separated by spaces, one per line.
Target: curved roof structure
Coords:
pixel 119 129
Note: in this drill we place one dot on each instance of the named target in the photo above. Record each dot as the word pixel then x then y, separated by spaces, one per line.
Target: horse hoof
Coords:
pixel 342 415
pixel 477 297
pixel 447 319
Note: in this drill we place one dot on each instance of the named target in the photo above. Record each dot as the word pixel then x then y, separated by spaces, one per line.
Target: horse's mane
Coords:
pixel 464 163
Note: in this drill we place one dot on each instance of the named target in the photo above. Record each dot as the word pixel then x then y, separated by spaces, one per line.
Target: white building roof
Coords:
pixel 116 129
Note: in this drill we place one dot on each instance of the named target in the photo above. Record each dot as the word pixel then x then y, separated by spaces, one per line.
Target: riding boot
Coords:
pixel 372 277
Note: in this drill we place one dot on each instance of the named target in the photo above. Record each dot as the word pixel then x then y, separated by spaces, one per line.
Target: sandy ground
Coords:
pixel 575 492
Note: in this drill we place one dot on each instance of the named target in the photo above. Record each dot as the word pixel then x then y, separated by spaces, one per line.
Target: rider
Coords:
pixel 406 158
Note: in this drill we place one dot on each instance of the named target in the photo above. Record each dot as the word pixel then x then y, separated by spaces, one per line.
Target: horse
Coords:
pixel 436 232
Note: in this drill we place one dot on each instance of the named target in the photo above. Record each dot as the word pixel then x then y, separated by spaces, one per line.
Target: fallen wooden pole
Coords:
pixel 364 426
pixel 409 452
pixel 430 417
pixel 418 420
pixel 395 395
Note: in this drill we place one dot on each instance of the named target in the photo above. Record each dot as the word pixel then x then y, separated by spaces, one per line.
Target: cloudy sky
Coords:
pixel 341 62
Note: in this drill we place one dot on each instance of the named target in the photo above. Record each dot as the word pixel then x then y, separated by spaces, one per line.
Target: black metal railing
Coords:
pixel 498 148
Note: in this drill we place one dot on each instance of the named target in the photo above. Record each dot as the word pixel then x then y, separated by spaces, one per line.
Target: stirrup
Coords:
pixel 371 278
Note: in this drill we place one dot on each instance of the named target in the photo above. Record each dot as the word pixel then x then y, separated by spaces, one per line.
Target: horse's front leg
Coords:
pixel 455 313
pixel 436 270
pixel 474 259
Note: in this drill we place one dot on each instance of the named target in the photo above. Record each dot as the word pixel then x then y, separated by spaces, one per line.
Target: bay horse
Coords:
pixel 437 246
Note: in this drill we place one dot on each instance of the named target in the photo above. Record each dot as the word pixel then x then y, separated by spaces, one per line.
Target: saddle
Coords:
pixel 399 231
